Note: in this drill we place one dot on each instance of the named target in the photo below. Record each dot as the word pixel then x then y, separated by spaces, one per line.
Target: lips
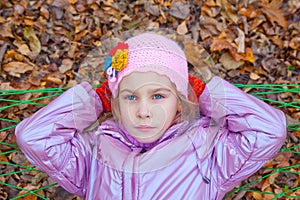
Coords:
pixel 144 128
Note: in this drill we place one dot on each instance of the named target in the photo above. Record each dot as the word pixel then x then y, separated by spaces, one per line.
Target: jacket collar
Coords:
pixel 112 128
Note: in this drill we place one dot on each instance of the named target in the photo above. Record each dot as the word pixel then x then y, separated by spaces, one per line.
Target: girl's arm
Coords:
pixel 50 138
pixel 252 132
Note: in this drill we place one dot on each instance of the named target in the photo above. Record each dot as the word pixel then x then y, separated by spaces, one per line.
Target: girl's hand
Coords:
pixel 105 95
pixel 197 85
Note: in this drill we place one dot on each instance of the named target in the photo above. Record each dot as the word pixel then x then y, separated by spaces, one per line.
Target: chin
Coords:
pixel 147 140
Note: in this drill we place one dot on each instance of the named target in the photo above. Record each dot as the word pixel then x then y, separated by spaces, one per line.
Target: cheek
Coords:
pixel 127 113
pixel 165 112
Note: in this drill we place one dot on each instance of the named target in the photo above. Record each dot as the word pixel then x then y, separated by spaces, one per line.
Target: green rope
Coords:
pixel 9 99
pixel 7 144
pixel 20 166
pixel 43 90
pixel 28 191
pixel 293 127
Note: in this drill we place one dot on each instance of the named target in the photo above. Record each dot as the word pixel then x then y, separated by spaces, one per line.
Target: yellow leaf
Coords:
pixel 77 30
pixel 12 54
pixel 72 1
pixel 210 3
pixel 34 42
pixel 254 76
pixel 268 196
pixel 28 22
pixel 168 4
pixel 257 196
pixel 30 197
pixel 3 158
pixel 97 43
pixel 249 55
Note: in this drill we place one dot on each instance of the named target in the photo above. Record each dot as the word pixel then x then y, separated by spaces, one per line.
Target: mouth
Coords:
pixel 144 128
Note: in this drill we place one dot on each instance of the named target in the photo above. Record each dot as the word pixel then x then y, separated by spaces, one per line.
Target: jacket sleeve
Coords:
pixel 51 141
pixel 251 132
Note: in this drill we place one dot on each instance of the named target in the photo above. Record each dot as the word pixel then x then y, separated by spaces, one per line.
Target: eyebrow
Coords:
pixel 150 91
pixel 125 90
pixel 160 89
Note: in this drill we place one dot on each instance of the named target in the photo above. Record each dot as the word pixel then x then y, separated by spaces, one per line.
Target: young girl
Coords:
pixel 162 142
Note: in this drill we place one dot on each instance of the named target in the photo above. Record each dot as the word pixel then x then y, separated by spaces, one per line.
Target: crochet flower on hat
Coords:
pixel 116 61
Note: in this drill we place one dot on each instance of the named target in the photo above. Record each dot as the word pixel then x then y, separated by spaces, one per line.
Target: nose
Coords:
pixel 143 111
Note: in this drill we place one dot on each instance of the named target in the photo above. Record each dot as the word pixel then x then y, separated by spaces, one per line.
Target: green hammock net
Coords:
pixel 281 96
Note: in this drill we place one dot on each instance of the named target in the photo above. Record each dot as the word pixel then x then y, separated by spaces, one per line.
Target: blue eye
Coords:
pixel 130 97
pixel 158 96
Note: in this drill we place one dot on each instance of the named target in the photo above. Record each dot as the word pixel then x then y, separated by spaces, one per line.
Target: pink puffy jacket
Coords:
pixel 201 160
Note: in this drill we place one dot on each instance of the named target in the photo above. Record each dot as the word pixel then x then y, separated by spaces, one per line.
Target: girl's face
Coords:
pixel 148 105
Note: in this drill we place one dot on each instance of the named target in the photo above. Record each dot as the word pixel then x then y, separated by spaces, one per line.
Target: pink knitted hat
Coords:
pixel 148 52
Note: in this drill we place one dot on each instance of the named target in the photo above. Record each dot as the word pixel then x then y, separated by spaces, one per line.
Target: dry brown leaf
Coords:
pixel 240 41
pixel 19 9
pixel 256 23
pixel 229 63
pixel 210 11
pixel 235 55
pixel 180 10
pixel 228 11
pixel 16 68
pixel 212 24
pixel 60 3
pixel 151 8
pixel 35 80
pixel 211 3
pixel 219 45
pixel 182 28
pixel 278 41
pixel 24 49
pixel 54 80
pixel 273 12
pixel 283 159
pixel 80 35
pixel 5 30
pixel 250 12
pixel 73 49
pixel 66 65
pixel 295 43
pixel 296 193
pixel 44 12
pixel 297 133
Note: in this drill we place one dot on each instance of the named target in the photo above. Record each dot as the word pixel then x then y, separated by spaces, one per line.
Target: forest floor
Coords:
pixel 59 43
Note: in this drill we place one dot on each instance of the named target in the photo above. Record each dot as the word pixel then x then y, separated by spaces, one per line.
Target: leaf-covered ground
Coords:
pixel 58 43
